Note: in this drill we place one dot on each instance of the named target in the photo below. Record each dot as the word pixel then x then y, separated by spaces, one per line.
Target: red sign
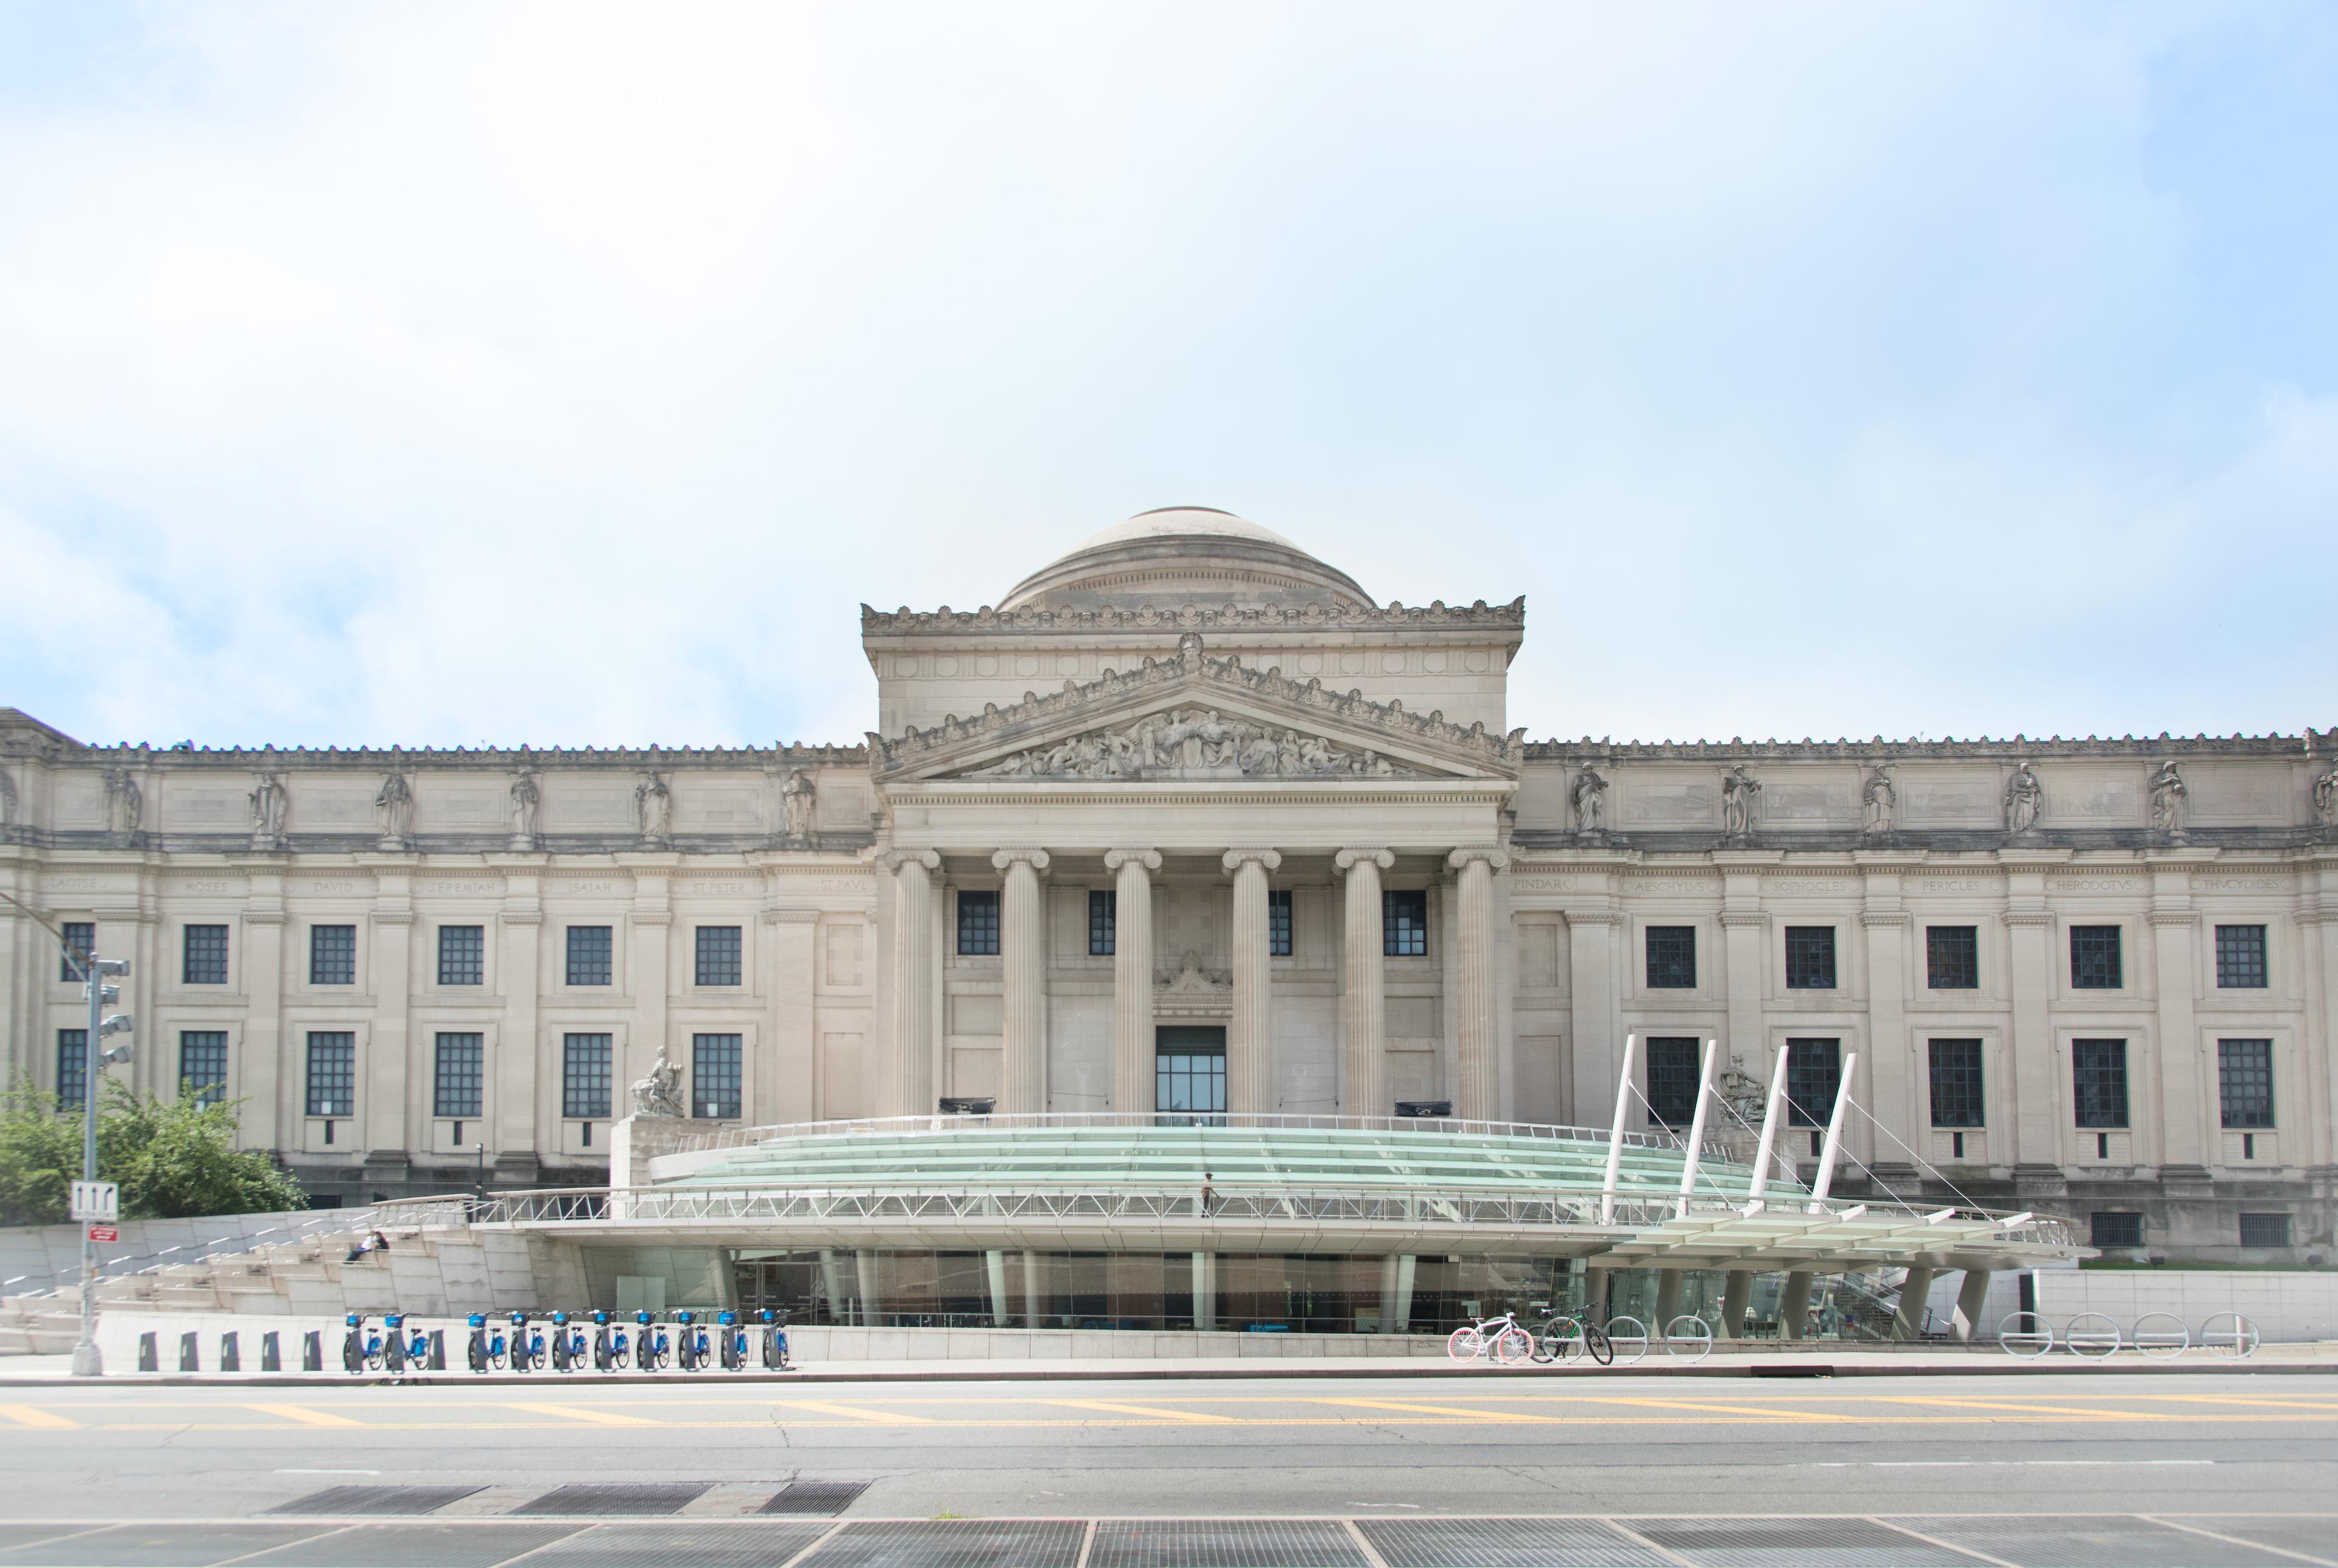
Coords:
pixel 104 1233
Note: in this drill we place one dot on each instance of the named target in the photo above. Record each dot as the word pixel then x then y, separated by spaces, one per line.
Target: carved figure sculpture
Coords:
pixel 2170 797
pixel 1738 788
pixel 1590 811
pixel 660 1092
pixel 393 810
pixel 654 804
pixel 1192 739
pixel 526 803
pixel 271 806
pixel 125 803
pixel 7 799
pixel 798 797
pixel 1882 800
pixel 2326 797
pixel 2023 797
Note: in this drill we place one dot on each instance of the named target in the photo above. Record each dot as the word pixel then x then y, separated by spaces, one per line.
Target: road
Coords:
pixel 2216 1456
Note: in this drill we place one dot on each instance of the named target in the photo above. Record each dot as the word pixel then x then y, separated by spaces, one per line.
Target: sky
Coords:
pixel 427 374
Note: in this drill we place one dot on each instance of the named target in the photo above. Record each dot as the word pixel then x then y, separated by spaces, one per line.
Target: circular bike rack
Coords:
pixel 2027 1343
pixel 2240 1340
pixel 2160 1343
pixel 1631 1347
pixel 2093 1344
pixel 1696 1342
pixel 1561 1340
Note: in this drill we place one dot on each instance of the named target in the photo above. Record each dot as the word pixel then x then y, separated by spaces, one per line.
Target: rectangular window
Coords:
pixel 721 951
pixel 1189 1070
pixel 463 956
pixel 589 960
pixel 1104 921
pixel 1952 957
pixel 1813 1077
pixel 332 1074
pixel 2244 1078
pixel 1810 957
pixel 977 923
pixel 461 1064
pixel 1672 957
pixel 1956 1083
pixel 2114 1229
pixel 2095 958
pixel 332 955
pixel 714 1071
pixel 2098 1083
pixel 203 1064
pixel 1671 1080
pixel 1404 923
pixel 203 955
pixel 584 1076
pixel 1278 923
pixel 2241 957
pixel 81 935
pixel 2264 1229
pixel 73 1068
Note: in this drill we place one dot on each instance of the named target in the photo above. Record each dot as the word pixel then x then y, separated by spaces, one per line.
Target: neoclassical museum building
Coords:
pixel 1191 824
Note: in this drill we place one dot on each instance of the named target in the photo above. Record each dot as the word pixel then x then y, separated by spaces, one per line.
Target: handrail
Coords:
pixel 696 1141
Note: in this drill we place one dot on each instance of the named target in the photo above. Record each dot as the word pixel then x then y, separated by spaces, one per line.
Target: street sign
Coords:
pixel 104 1233
pixel 95 1200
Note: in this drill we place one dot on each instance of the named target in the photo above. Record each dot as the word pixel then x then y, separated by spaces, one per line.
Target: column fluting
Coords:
pixel 1250 1042
pixel 913 981
pixel 1132 979
pixel 1474 1003
pixel 1023 948
pixel 1363 1011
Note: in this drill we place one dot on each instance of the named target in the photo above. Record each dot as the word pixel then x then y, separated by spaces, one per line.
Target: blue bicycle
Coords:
pixel 651 1351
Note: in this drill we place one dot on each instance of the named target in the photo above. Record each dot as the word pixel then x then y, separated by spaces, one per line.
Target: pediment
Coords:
pixel 1195 718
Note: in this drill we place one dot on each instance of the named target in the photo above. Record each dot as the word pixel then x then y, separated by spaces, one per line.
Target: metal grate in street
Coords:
pixel 1795 1544
pixel 160 1546
pixel 1506 1544
pixel 1225 1543
pixel 480 1544
pixel 714 1543
pixel 953 1543
pixel 635 1500
pixel 2098 1541
pixel 823 1497
pixel 377 1500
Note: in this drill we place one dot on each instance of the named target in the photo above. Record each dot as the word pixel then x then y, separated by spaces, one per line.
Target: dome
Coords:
pixel 1183 555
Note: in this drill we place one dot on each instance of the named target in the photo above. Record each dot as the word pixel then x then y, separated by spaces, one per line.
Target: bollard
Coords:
pixel 149 1358
pixel 312 1350
pixel 271 1357
pixel 438 1362
pixel 187 1361
pixel 230 1354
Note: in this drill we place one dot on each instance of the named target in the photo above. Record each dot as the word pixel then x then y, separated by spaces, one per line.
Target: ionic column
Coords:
pixel 1132 979
pixel 1023 947
pixel 1474 1001
pixel 1363 1012
pixel 1250 1062
pixel 913 983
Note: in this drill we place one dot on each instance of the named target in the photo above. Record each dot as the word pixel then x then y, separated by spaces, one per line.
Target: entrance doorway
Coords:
pixel 1189 1072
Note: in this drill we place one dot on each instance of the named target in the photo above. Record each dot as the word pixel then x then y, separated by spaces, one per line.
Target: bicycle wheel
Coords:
pixel 373 1361
pixel 1465 1344
pixel 498 1360
pixel 1513 1347
pixel 1595 1340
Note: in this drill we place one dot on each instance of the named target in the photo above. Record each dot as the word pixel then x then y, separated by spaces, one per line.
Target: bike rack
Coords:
pixel 2241 1341
pixel 2093 1344
pixel 2025 1344
pixel 2158 1343
pixel 1700 1337
pixel 1637 1340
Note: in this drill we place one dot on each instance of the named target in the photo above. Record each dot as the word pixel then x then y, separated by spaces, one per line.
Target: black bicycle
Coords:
pixel 1565 1338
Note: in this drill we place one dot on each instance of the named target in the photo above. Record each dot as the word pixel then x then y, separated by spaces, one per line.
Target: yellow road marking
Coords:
pixel 896 1416
pixel 2041 1409
pixel 1413 1409
pixel 2265 1401
pixel 306 1417
pixel 591 1418
pixel 34 1415
pixel 1728 1409
pixel 1148 1410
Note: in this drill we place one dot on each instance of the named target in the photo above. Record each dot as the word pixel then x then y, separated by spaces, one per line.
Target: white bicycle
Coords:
pixel 1499 1337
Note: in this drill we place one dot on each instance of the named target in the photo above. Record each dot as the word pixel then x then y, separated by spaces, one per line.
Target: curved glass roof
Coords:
pixel 973 1154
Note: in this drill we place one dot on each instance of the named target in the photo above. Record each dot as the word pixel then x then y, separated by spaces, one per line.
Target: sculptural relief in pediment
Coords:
pixel 1196 743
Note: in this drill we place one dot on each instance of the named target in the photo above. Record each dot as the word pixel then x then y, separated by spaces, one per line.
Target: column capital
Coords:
pixel 897 859
pixel 1348 860
pixel 1236 860
pixel 1494 858
pixel 1006 857
pixel 1115 859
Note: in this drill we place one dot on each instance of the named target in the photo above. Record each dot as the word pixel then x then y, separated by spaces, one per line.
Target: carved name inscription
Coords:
pixel 2241 885
pixel 343 886
pixel 462 889
pixel 2098 885
pixel 201 889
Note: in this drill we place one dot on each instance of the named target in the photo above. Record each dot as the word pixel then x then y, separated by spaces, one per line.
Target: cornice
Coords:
pixel 2312 746
pixel 1341 616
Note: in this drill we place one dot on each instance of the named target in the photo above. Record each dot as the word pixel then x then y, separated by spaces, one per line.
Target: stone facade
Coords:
pixel 1194 715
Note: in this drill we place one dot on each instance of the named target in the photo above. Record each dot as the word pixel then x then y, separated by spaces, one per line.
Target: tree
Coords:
pixel 173 1159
